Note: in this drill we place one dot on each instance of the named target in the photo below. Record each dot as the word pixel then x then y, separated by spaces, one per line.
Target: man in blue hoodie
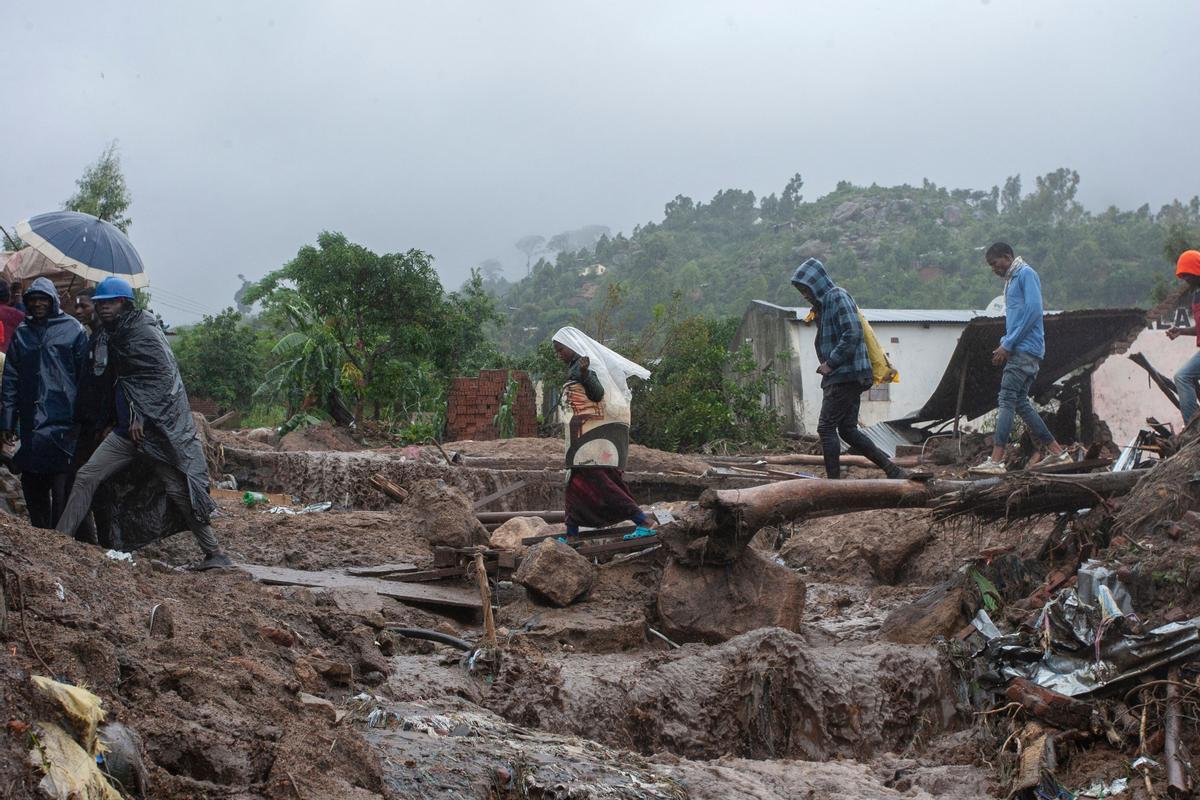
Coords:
pixel 1020 352
pixel 845 369
pixel 41 377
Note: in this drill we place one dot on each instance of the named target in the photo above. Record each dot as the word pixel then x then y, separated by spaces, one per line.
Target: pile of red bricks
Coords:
pixel 473 404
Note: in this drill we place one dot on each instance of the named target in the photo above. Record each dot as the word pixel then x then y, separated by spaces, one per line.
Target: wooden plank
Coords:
pixel 380 569
pixel 392 489
pixel 494 496
pixel 328 579
pixel 618 547
pixel 1074 466
pixel 504 516
pixel 599 533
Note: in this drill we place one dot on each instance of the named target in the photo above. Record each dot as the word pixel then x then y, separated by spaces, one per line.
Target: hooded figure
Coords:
pixel 845 369
pixel 153 429
pixel 41 378
pixel 596 400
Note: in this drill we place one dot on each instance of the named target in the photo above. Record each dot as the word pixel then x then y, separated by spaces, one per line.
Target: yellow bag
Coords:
pixel 882 370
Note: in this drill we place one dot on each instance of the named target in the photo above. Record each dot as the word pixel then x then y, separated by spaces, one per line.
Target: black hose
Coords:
pixel 434 636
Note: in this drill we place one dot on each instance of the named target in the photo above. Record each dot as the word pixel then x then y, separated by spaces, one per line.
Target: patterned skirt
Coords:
pixel 599 496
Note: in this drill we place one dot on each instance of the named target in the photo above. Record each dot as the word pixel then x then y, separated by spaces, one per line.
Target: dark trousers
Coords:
pixel 45 496
pixel 114 454
pixel 839 417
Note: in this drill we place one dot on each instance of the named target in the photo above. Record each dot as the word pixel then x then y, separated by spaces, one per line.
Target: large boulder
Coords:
pixel 510 535
pixel 716 603
pixel 441 514
pixel 552 571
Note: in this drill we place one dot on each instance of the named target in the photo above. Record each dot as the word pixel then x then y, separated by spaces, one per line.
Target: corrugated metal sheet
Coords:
pixel 917 316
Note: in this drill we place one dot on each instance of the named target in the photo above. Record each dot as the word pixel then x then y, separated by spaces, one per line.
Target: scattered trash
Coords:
pixel 1100 789
pixel 119 555
pixel 252 499
pixel 313 508
pixel 60 592
pixel 70 765
pixel 1075 647
pixel 227 482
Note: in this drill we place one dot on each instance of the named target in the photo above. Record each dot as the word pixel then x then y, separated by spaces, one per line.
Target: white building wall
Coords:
pixel 1122 393
pixel 920 354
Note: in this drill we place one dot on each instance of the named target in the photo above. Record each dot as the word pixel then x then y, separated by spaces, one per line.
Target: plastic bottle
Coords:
pixel 252 499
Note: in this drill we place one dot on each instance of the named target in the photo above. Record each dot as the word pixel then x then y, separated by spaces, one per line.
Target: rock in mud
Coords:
pixel 554 572
pixel 887 555
pixel 942 611
pixel 442 515
pixel 715 603
pixel 509 535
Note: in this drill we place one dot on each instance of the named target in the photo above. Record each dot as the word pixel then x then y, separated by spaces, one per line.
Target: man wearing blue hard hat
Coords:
pixel 151 416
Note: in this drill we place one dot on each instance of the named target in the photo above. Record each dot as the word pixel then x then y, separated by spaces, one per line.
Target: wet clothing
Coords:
pixel 41 375
pixel 839 342
pixel 114 454
pixel 841 345
pixel 10 319
pixel 1025 340
pixel 1020 371
pixel 839 418
pixel 45 496
pixel 597 497
pixel 597 436
pixel 1023 329
pixel 145 371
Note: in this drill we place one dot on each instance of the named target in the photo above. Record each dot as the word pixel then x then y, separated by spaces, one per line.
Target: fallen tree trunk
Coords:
pixel 1029 494
pixel 724 522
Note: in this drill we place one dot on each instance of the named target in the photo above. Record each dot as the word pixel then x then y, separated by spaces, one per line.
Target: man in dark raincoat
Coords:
pixel 41 374
pixel 153 422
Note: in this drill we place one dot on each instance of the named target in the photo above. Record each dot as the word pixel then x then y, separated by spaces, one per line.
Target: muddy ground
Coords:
pixel 583 702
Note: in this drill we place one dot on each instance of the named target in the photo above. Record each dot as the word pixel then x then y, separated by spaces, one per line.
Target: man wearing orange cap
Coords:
pixel 1188 269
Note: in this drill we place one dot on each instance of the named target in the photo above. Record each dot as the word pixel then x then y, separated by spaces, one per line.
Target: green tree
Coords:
pixel 220 359
pixel 376 310
pixel 102 191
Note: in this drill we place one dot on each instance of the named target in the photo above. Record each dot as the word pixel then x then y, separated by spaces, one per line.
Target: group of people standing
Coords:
pixel 89 394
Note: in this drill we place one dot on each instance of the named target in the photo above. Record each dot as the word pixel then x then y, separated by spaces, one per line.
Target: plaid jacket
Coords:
pixel 839 342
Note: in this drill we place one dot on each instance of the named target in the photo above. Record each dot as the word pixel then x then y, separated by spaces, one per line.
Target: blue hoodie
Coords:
pixel 840 342
pixel 1023 328
pixel 41 374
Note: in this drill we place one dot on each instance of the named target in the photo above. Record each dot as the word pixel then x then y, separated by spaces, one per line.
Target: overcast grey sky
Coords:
pixel 456 127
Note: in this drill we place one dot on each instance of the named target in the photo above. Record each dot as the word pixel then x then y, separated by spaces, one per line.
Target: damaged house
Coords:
pixel 943 357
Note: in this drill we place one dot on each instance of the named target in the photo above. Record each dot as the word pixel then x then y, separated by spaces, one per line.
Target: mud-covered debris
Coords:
pixel 716 603
pixel 442 515
pixel 940 612
pixel 887 555
pixel 554 572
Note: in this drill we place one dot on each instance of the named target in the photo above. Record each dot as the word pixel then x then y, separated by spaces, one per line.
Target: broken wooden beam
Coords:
pixel 1057 709
pixel 598 533
pixel 328 579
pixel 1177 785
pixel 496 495
pixel 1161 381
pixel 390 488
pixel 1029 494
pixel 488 517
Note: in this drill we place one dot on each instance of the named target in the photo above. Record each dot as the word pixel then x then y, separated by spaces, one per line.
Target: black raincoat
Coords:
pixel 144 366
pixel 41 378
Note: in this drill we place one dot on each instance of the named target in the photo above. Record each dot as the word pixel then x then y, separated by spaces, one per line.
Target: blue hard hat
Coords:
pixel 112 289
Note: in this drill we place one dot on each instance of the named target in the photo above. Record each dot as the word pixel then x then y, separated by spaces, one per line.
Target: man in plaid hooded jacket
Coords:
pixel 845 369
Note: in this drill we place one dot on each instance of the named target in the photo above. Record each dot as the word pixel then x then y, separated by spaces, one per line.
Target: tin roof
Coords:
pixel 912 316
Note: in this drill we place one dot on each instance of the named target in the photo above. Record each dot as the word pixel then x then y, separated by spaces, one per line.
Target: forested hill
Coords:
pixel 899 246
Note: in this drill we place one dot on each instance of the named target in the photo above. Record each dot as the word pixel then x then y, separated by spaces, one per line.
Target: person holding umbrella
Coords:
pixel 41 377
pixel 153 420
